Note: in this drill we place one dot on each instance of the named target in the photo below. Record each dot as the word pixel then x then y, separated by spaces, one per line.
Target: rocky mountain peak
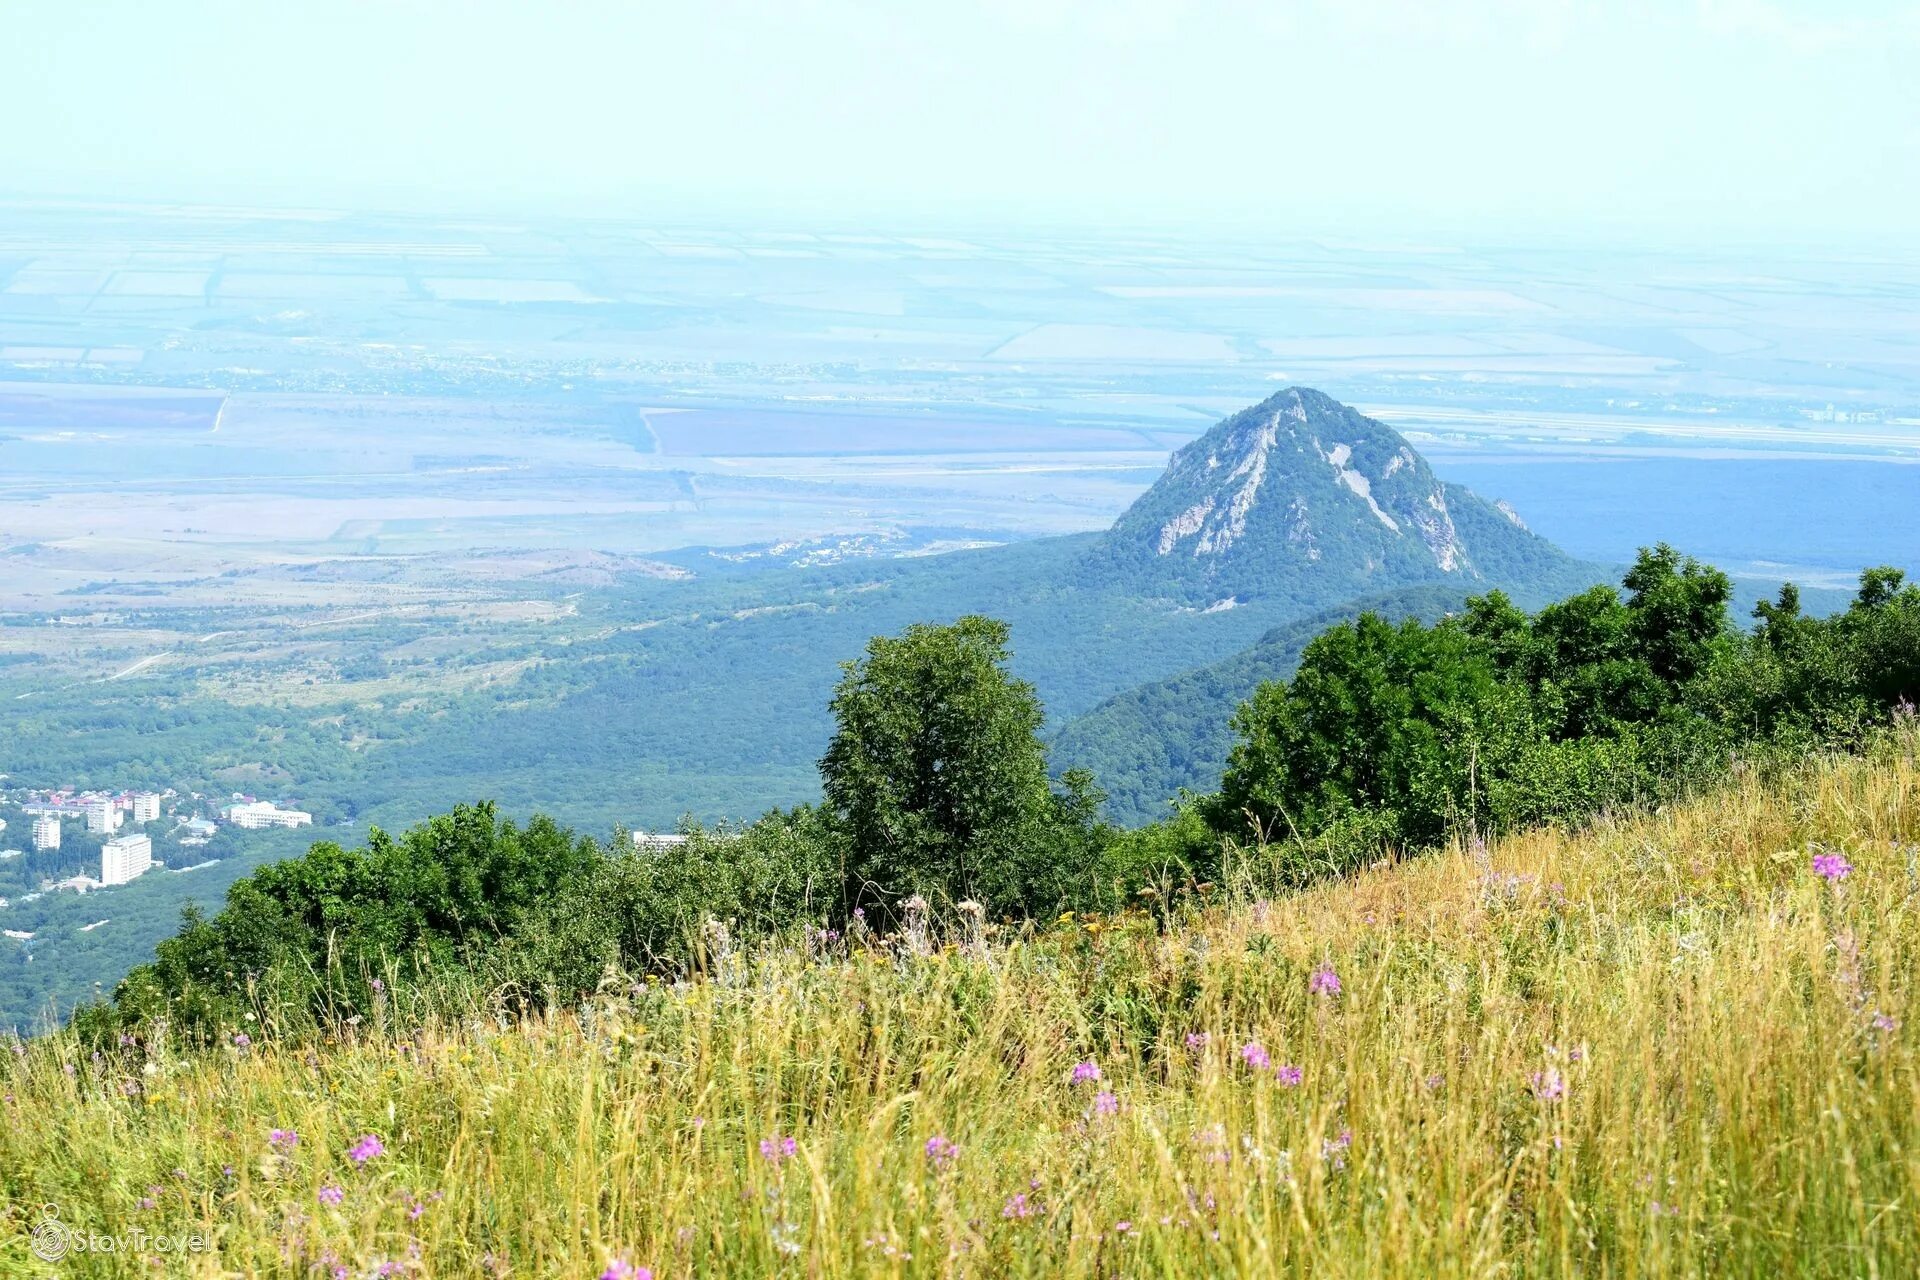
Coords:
pixel 1301 490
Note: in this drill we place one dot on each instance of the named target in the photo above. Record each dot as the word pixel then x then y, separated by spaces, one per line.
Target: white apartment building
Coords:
pixel 46 832
pixel 124 859
pixel 103 816
pixel 146 807
pixel 262 813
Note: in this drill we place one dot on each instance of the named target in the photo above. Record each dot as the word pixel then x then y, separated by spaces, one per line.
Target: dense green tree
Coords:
pixel 1404 719
pixel 1677 611
pixel 936 776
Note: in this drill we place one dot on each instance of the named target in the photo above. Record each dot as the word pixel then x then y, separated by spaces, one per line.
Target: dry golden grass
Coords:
pixel 1660 1047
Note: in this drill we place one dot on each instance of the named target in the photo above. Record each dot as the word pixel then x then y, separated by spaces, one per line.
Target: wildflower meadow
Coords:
pixel 1673 1044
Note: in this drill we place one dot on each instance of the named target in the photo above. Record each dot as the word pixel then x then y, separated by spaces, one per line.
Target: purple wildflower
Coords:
pixel 1885 1022
pixel 1255 1055
pixel 1334 1150
pixel 366 1149
pixel 1833 866
pixel 331 1194
pixel 1197 1040
pixel 283 1139
pixel 621 1269
pixel 1325 982
pixel 1105 1104
pixel 1288 1074
pixel 1086 1072
pixel 777 1148
pixel 940 1151
pixel 1018 1207
pixel 1549 1085
pixel 241 1040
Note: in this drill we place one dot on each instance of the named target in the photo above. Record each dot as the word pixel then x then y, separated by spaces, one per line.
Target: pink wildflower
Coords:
pixel 366 1149
pixel 1086 1072
pixel 1325 982
pixel 1255 1055
pixel 1833 866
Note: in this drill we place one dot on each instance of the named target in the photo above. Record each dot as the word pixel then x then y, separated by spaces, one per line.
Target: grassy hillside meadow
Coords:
pixel 1667 1045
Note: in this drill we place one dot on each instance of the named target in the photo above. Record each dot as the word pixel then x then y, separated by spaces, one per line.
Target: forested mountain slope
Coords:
pixel 1147 744
pixel 649 721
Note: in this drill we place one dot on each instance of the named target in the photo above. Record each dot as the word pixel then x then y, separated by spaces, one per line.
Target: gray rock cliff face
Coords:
pixel 1302 495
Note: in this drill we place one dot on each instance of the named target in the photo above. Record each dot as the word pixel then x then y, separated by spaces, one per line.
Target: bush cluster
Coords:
pixel 1495 719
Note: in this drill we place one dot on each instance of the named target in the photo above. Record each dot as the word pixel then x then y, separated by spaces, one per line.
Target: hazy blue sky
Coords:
pixel 1686 117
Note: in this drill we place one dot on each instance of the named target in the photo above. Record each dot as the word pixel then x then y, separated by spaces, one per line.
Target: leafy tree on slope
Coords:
pixel 937 778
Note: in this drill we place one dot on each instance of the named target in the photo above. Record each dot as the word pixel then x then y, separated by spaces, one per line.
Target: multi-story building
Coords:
pixel 46 832
pixel 103 816
pixel 146 807
pixel 263 813
pixel 125 858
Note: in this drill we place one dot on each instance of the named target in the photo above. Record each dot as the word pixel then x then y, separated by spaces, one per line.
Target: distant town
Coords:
pixel 127 823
